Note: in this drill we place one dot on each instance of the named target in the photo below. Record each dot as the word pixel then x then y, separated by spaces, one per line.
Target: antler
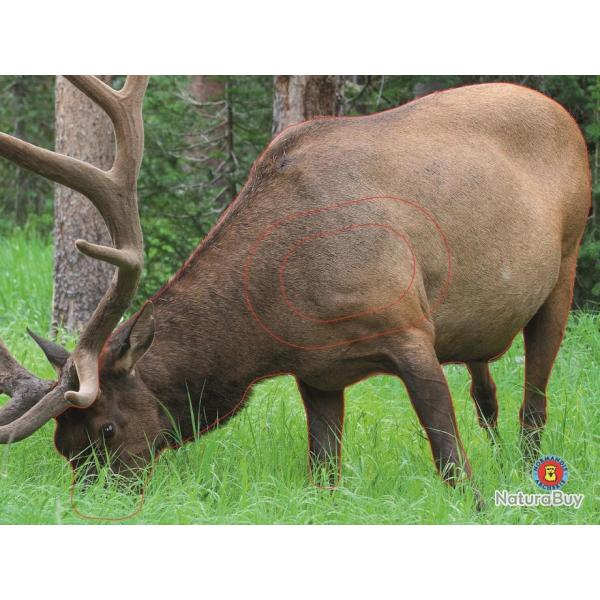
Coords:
pixel 114 194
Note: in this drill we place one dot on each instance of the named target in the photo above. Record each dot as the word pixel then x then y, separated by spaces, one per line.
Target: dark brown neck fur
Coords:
pixel 204 357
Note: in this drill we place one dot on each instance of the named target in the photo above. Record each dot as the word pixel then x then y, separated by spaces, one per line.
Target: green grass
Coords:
pixel 253 470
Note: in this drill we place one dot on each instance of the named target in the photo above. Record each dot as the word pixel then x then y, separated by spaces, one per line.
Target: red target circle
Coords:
pixel 282 268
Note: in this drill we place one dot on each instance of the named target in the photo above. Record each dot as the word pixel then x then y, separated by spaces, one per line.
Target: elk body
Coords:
pixel 393 243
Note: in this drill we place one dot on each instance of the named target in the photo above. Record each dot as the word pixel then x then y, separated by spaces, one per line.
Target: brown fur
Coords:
pixel 502 171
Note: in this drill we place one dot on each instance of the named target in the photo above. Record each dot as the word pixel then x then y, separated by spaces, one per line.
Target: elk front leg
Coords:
pixel 325 419
pixel 425 382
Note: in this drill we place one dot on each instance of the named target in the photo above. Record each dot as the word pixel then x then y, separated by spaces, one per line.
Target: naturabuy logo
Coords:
pixel 549 473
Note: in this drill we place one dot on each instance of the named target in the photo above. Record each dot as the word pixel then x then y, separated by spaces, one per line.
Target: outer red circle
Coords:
pixel 273 226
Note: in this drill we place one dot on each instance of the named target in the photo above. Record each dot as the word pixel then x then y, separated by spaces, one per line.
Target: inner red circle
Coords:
pixel 293 308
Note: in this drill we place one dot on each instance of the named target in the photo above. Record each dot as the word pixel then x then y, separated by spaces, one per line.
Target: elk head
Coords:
pixel 88 412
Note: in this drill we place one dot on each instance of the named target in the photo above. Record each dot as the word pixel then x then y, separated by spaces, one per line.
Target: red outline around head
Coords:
pixel 172 446
pixel 204 430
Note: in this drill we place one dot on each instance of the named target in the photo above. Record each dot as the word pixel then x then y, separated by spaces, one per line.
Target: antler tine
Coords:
pixel 24 388
pixel 107 97
pixel 97 91
pixel 119 106
pixel 81 176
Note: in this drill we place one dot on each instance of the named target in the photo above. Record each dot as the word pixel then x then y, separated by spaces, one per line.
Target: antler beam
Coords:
pixel 24 388
pixel 114 194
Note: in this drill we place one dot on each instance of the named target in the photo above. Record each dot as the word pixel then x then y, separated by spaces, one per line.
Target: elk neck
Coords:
pixel 207 349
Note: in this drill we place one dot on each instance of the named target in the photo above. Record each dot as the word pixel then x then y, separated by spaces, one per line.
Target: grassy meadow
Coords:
pixel 254 469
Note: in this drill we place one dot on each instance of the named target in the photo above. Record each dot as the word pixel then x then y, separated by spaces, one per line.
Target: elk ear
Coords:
pixel 135 339
pixel 57 355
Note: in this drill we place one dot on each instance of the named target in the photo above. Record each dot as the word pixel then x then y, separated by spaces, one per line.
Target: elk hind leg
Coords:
pixel 543 336
pixel 483 392
pixel 418 367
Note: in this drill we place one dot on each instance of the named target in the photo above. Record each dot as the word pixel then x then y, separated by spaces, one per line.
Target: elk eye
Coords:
pixel 107 430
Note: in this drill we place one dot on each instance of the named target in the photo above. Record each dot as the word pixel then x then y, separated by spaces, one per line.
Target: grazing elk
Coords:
pixel 395 242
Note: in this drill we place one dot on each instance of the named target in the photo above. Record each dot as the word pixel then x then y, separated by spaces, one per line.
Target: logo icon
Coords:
pixel 550 472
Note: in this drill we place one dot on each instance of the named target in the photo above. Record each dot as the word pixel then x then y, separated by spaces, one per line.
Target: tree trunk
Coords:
pixel 214 99
pixel 297 98
pixel 23 177
pixel 207 88
pixel 83 131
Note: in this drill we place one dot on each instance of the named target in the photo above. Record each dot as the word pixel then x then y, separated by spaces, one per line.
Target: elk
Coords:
pixel 390 243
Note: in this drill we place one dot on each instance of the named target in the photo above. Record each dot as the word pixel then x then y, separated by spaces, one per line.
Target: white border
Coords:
pixel 308 36
pixel 303 36
pixel 307 563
